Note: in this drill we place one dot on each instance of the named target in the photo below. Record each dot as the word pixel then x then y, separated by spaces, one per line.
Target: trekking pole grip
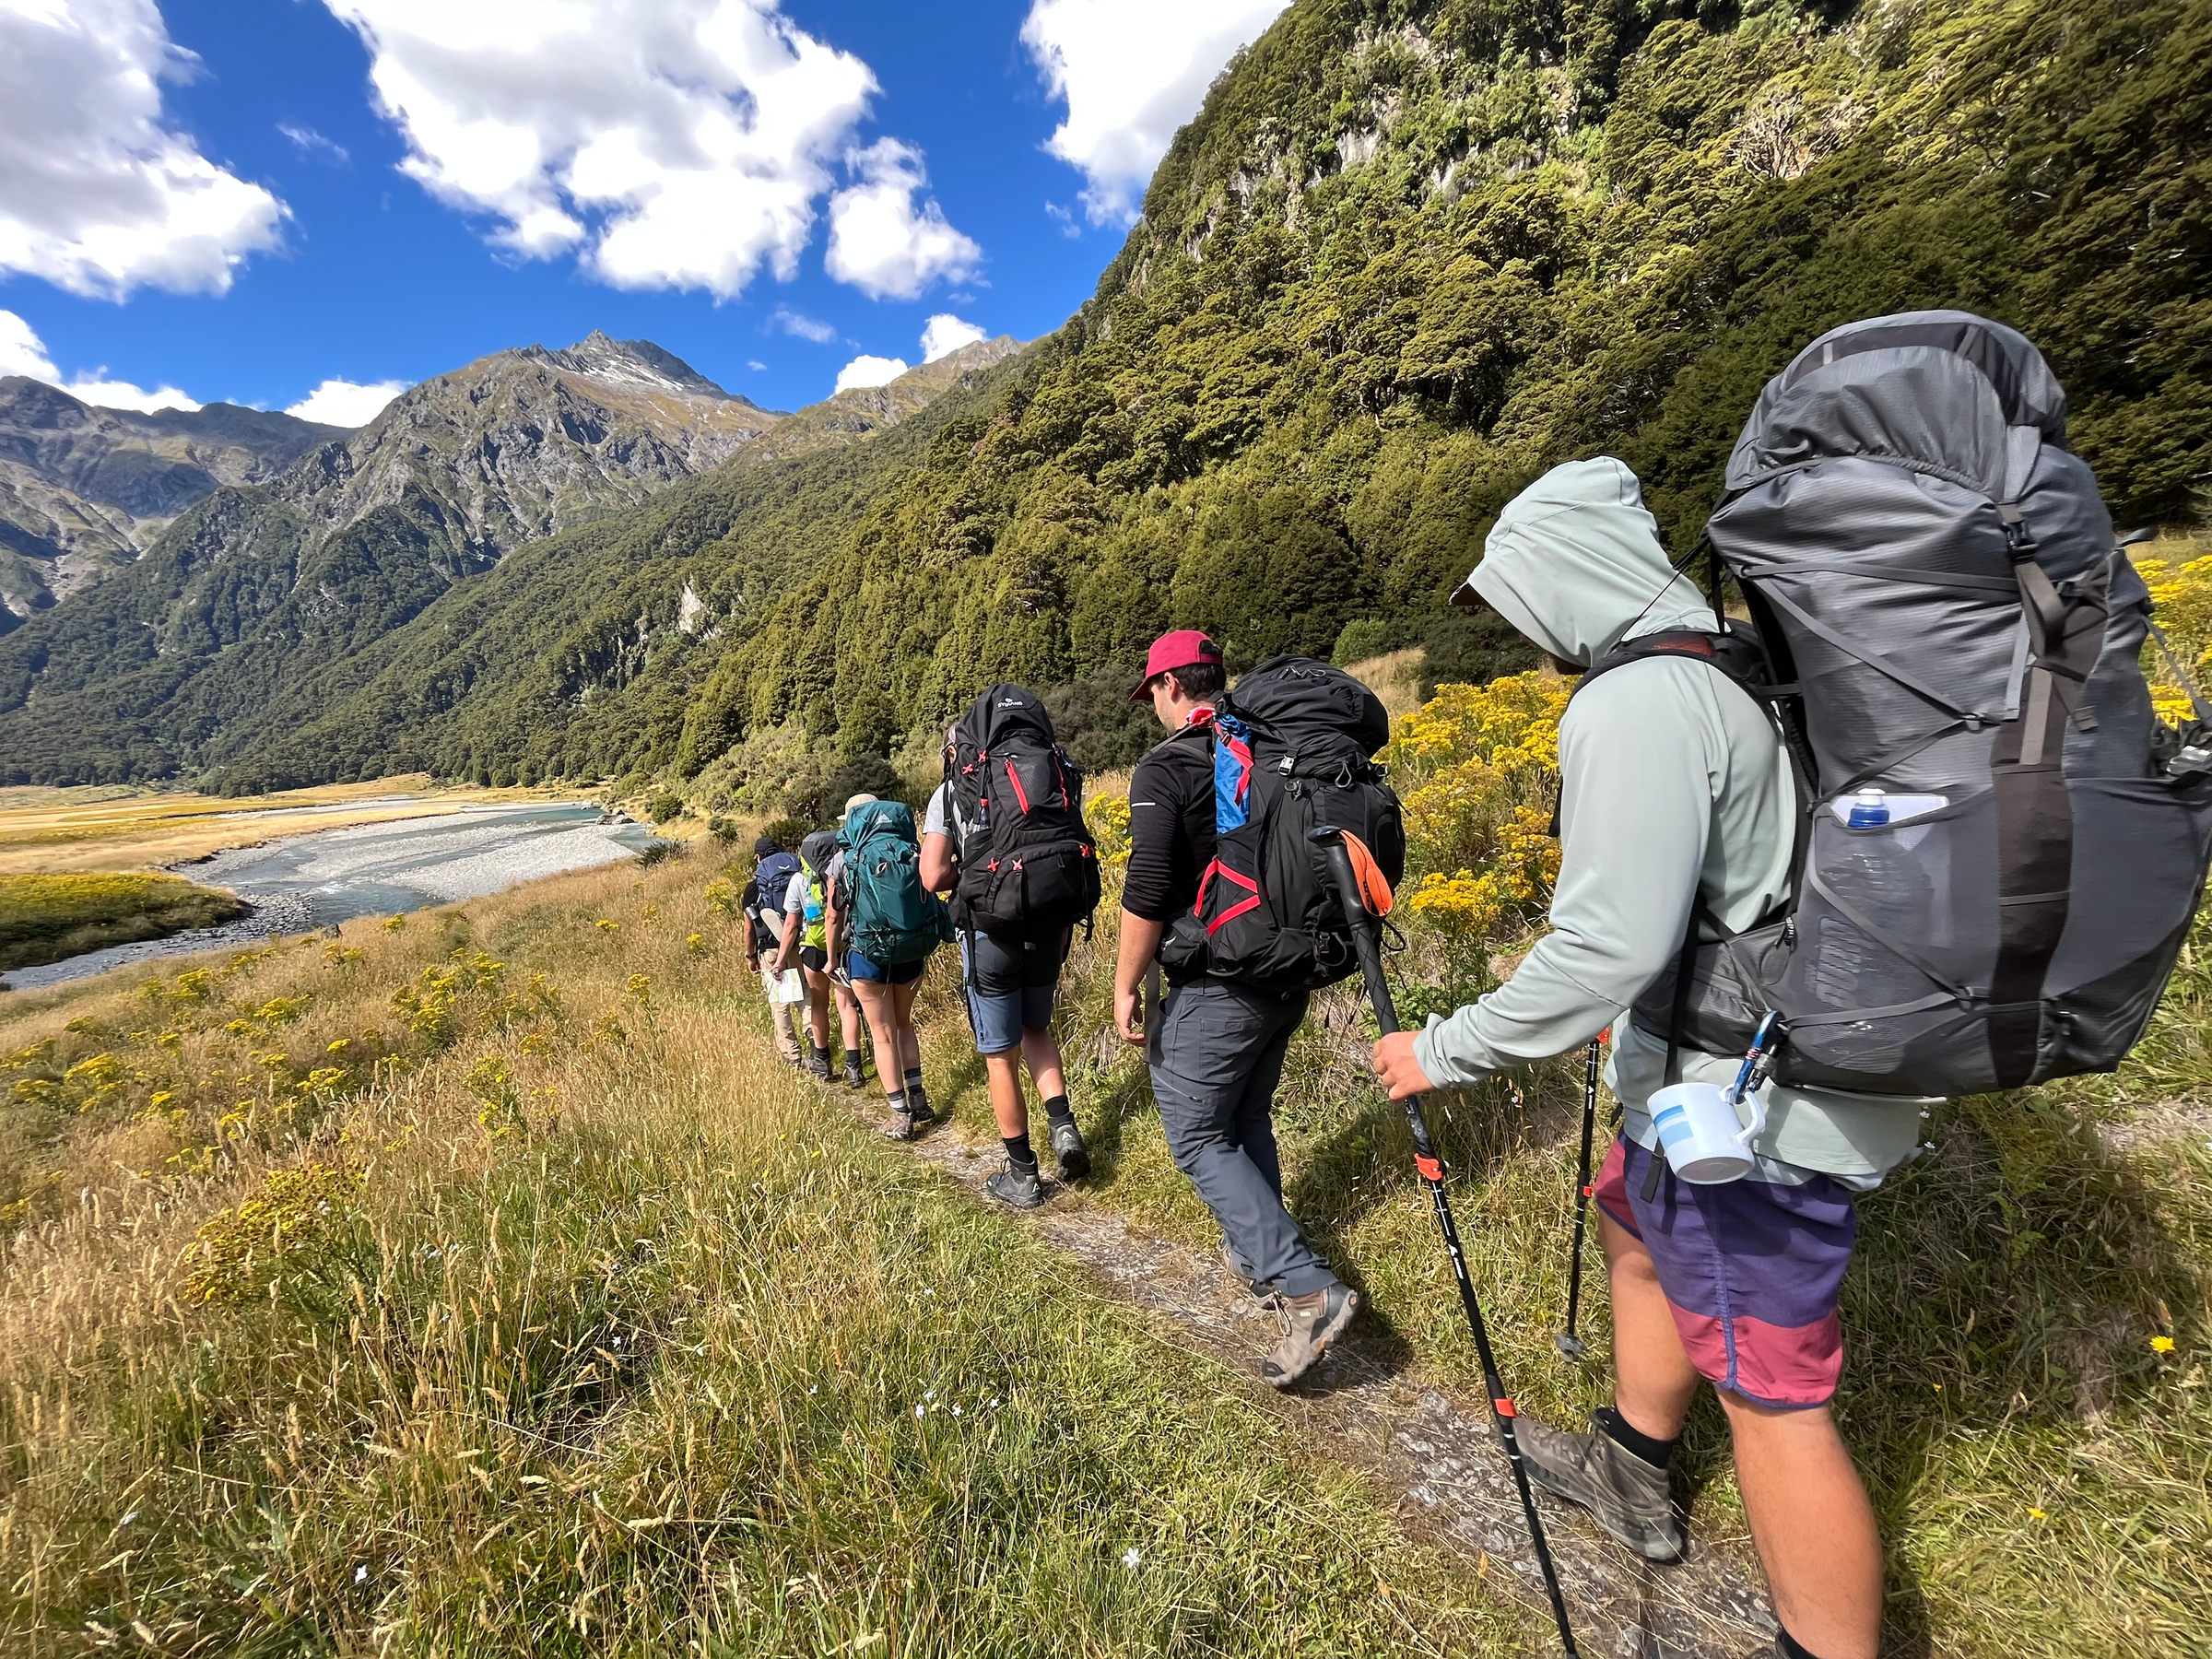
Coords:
pixel 1366 930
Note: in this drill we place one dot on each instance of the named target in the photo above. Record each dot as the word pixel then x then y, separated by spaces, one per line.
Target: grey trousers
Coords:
pixel 1216 1055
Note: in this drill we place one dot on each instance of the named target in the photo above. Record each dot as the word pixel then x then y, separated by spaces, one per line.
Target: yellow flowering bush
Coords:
pixel 1109 819
pixel 1470 765
pixel 1511 725
pixel 1510 893
pixel 2183 594
pixel 234 1256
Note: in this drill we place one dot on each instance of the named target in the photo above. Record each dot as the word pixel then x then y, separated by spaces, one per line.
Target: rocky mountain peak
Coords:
pixel 630 363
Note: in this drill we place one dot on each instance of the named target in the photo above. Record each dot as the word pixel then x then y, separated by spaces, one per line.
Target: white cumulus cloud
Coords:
pixel 122 394
pixel 22 352
pixel 946 333
pixel 865 370
pixel 97 195
pixel 882 241
pixel 1132 72
pixel 347 403
pixel 679 144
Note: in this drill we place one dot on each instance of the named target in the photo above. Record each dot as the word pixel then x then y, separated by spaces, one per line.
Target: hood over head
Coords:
pixel 1574 562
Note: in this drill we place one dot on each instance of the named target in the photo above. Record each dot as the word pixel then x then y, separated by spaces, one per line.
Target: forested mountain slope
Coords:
pixel 85 489
pixel 1410 255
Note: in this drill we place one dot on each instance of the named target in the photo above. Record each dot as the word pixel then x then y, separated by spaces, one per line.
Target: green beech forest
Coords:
pixel 1407 256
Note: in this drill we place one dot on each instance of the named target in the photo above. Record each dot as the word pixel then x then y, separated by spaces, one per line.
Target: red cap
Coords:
pixel 1184 648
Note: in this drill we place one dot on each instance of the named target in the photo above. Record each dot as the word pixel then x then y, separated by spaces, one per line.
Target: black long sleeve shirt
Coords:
pixel 1170 825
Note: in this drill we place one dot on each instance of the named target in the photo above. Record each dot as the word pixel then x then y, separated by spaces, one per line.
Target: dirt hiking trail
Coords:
pixel 1437 1452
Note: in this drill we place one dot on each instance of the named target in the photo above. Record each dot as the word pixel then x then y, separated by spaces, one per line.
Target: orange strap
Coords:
pixel 1374 887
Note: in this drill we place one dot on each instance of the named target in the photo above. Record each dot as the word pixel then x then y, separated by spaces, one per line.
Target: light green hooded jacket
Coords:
pixel 1673 785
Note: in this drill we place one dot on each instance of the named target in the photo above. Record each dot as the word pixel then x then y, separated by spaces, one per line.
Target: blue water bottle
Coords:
pixel 1869 810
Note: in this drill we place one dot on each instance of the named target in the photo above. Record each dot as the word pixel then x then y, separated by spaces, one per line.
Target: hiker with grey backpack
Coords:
pixel 1913 832
pixel 883 927
pixel 1004 834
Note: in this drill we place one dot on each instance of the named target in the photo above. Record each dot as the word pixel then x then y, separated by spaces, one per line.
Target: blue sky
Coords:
pixel 245 199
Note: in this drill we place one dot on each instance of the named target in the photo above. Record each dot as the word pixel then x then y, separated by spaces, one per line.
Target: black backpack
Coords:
pixel 1294 749
pixel 1026 865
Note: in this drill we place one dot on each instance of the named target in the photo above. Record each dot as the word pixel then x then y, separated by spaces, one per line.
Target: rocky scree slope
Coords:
pixel 84 491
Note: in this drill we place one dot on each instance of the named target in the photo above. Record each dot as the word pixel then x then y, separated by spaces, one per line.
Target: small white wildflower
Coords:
pixel 128 1519
pixel 917 1411
pixel 360 1575
pixel 813 1388
pixel 618 1342
pixel 956 1411
pixel 995 1402
pixel 928 1292
pixel 1130 1558
pixel 929 1393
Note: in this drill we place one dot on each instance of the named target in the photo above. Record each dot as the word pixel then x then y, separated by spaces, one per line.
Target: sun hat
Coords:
pixel 863 799
pixel 1185 648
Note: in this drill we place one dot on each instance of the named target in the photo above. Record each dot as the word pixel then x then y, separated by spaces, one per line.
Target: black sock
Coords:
pixel 1618 1428
pixel 913 1078
pixel 1058 1111
pixel 1789 1647
pixel 1017 1149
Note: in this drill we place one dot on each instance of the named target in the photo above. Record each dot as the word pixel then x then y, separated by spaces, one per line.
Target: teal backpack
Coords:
pixel 895 919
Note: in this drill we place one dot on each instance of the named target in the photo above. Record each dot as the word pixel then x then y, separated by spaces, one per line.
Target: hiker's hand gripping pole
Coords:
pixel 1567 1342
pixel 1367 942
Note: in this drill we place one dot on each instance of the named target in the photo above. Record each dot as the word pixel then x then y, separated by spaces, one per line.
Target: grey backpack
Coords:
pixel 1949 618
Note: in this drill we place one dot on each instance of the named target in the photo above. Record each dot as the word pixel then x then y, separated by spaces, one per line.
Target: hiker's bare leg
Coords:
pixel 848 1021
pixel 909 1049
pixel 1653 1379
pixel 875 1002
pixel 1041 1054
pixel 1813 1525
pixel 1008 1105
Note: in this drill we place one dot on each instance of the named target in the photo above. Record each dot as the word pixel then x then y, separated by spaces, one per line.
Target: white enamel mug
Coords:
pixel 1705 1142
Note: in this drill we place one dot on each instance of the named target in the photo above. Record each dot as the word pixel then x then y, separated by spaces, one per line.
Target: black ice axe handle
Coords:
pixel 1367 941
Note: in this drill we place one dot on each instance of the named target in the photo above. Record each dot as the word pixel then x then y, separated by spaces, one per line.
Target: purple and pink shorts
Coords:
pixel 1751 1270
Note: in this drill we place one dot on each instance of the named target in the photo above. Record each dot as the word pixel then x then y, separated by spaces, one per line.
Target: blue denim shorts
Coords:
pixel 858 967
pixel 1009 988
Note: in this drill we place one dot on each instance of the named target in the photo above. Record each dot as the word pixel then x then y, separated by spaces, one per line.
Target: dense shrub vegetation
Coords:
pixel 1411 253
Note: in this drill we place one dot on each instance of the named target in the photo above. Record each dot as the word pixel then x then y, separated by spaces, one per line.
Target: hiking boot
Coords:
pixel 1627 1495
pixel 903 1127
pixel 1016 1186
pixel 917 1102
pixel 1068 1148
pixel 1309 1325
pixel 854 1079
pixel 818 1062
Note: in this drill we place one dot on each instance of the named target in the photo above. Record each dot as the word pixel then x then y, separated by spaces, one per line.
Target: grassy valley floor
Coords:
pixel 484 1285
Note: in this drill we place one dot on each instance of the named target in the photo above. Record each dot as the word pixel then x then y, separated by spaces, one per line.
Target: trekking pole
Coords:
pixel 1366 941
pixel 1567 1342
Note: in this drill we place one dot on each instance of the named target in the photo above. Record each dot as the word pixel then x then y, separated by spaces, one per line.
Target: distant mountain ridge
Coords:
pixel 84 491
pixel 258 589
